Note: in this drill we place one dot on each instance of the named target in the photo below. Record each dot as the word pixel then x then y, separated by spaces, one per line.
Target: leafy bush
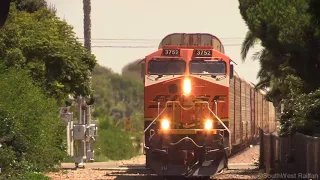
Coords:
pixel 301 114
pixel 32 176
pixel 113 143
pixel 31 133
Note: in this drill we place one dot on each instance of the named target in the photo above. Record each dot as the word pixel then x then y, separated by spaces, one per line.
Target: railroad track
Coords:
pixel 131 172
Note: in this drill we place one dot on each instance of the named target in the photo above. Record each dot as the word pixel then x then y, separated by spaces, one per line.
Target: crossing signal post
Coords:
pixel 81 133
pixel 67 117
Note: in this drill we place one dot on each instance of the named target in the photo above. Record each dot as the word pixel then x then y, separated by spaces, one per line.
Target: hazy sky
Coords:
pixel 148 21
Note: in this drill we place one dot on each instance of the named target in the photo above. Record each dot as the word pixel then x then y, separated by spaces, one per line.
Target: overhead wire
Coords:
pixel 147 39
pixel 105 42
pixel 124 46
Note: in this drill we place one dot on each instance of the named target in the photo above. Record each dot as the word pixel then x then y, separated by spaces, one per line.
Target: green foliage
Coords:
pixel 301 114
pixel 290 61
pixel 118 97
pixel 287 31
pixel 47 47
pixel 114 143
pixel 32 176
pixel 41 63
pixel 31 132
pixel 29 5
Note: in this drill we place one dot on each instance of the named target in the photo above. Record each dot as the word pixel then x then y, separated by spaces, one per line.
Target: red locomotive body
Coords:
pixel 196 111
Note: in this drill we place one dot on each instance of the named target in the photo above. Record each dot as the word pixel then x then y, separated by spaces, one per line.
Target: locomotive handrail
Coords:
pixel 156 118
pixel 178 102
pixel 201 102
pixel 218 118
pixel 230 147
pixel 173 144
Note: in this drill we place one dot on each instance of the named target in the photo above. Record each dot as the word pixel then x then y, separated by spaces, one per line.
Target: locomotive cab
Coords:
pixel 186 106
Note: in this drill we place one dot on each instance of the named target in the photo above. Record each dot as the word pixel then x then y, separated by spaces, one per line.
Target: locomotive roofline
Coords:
pixel 197 40
pixel 192 39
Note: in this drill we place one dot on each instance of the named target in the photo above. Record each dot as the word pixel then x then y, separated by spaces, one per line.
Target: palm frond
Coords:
pixel 249 42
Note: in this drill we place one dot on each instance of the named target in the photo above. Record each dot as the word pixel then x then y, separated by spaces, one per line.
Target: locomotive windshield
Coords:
pixel 163 67
pixel 207 67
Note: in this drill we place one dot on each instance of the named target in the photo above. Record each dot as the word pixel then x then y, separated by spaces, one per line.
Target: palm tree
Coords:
pixel 248 43
pixel 87 23
pixel 268 75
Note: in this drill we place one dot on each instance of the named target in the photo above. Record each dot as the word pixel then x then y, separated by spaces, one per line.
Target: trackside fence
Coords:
pixel 294 154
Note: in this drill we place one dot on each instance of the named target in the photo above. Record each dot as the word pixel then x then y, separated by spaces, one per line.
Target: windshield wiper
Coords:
pixel 223 77
pixel 159 76
pixel 214 76
pixel 162 75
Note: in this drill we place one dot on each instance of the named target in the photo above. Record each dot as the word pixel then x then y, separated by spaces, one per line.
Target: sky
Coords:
pixel 143 23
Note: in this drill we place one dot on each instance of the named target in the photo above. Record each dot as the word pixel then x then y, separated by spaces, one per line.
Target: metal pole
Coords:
pixel 71 136
pixel 68 138
pixel 88 123
pixel 81 149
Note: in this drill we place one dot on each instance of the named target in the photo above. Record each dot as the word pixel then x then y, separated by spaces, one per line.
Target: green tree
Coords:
pixel 30 5
pixel 288 33
pixel 47 47
pixel 117 97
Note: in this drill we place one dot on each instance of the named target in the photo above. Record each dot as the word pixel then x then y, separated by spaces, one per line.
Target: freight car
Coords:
pixel 196 108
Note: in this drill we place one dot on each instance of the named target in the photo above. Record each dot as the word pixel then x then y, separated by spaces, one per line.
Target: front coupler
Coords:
pixel 190 151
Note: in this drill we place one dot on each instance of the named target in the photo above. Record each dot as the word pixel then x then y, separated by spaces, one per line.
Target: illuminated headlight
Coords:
pixel 165 124
pixel 208 124
pixel 186 86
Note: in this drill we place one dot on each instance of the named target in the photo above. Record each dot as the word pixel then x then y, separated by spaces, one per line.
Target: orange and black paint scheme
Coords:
pixel 186 106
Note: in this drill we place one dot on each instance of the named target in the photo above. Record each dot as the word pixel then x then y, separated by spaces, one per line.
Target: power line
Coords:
pixel 144 39
pixel 123 46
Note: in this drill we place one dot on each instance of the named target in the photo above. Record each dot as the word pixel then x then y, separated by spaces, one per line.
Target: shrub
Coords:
pixel 113 143
pixel 301 114
pixel 31 133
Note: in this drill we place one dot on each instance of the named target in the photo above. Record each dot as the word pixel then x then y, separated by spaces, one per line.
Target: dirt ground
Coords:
pixel 249 156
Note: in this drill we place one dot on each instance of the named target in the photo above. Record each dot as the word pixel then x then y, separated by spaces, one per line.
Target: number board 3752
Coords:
pixel 203 53
pixel 171 52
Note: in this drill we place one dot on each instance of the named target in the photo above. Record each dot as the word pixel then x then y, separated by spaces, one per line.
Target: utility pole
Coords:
pixel 85 130
pixel 87 23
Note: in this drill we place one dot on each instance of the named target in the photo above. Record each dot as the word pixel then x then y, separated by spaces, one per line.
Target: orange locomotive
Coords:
pixel 188 106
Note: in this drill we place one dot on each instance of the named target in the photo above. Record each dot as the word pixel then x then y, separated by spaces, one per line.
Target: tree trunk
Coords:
pixel 87 23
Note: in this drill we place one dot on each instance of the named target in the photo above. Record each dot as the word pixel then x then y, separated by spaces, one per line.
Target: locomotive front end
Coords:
pixel 186 111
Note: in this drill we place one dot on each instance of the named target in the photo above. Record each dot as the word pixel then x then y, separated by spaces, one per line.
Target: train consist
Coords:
pixel 197 109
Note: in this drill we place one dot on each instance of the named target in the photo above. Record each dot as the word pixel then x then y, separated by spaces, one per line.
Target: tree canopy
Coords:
pixel 47 47
pixel 117 98
pixel 29 5
pixel 288 31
